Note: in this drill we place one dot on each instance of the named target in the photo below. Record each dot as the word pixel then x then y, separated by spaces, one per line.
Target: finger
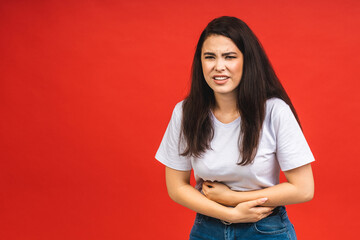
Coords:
pixel 204 191
pixel 256 202
pixel 265 215
pixel 263 210
pixel 204 188
pixel 269 213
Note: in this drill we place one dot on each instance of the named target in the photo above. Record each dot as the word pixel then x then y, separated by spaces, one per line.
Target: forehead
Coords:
pixel 219 43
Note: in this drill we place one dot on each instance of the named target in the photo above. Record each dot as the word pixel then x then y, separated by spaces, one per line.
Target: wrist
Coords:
pixel 230 215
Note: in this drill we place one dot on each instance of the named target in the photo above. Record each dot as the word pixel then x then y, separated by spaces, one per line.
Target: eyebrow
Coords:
pixel 224 54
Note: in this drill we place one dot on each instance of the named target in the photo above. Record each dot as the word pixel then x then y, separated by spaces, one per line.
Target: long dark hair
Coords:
pixel 258 83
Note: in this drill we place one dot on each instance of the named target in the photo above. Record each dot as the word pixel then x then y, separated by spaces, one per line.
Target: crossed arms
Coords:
pixel 222 203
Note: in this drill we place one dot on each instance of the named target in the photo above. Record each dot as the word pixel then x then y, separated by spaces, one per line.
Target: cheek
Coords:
pixel 238 68
pixel 206 67
pixel 206 71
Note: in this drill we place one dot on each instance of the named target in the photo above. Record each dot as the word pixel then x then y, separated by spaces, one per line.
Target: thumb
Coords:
pixel 257 202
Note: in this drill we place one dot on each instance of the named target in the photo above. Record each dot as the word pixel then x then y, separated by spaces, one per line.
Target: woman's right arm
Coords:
pixel 180 190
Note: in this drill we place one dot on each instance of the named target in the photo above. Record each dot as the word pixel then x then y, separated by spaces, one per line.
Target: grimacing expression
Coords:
pixel 222 64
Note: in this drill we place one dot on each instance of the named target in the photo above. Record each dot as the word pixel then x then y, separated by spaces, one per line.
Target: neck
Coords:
pixel 226 103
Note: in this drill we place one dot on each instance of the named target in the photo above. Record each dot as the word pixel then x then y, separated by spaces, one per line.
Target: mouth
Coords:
pixel 220 79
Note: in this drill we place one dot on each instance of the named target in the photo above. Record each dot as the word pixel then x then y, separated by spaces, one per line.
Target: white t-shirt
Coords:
pixel 282 146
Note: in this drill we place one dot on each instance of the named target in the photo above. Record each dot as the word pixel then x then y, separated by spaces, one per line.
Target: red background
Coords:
pixel 87 89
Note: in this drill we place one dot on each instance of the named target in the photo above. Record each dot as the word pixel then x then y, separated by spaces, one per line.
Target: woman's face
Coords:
pixel 222 64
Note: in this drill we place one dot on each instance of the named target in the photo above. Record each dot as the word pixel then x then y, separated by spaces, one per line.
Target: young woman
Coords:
pixel 236 129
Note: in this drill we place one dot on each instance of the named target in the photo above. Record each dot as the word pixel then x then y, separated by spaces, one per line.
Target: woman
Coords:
pixel 236 129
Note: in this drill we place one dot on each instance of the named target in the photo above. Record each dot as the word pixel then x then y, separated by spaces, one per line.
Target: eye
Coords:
pixel 209 57
pixel 230 57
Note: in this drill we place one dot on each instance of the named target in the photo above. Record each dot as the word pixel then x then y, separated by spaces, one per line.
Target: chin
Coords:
pixel 223 91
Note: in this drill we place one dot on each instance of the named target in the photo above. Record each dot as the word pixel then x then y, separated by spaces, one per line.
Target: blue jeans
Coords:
pixel 276 227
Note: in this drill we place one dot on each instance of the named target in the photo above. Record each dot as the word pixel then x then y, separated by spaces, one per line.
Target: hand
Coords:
pixel 250 211
pixel 217 192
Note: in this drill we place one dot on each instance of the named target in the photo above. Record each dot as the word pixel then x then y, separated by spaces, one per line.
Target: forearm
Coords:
pixel 298 188
pixel 191 198
pixel 278 195
pixel 180 190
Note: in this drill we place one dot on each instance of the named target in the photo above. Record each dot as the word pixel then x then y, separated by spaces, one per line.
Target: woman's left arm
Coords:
pixel 298 188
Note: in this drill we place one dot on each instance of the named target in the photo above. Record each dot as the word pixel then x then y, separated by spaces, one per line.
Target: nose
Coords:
pixel 219 65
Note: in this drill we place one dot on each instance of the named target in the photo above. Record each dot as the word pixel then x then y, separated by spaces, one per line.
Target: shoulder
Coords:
pixel 276 103
pixel 178 109
pixel 276 106
pixel 177 112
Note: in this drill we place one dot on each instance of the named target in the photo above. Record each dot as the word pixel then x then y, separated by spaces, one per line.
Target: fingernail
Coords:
pixel 264 199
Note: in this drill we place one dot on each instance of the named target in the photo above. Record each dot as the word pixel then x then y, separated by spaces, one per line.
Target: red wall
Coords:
pixel 87 89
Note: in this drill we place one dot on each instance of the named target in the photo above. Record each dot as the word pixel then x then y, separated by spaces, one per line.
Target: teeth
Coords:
pixel 220 78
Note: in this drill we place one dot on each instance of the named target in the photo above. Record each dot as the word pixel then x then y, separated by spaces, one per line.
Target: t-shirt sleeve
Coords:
pixel 169 150
pixel 292 149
